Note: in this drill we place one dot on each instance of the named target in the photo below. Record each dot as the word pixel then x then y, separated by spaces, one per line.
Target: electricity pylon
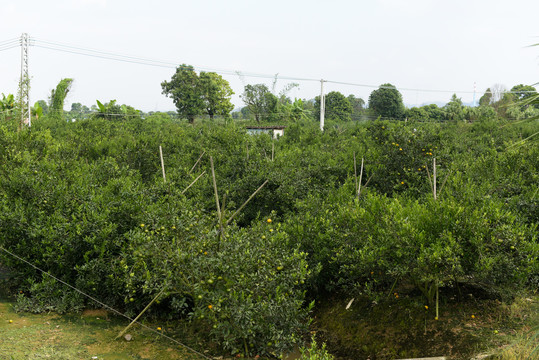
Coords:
pixel 24 85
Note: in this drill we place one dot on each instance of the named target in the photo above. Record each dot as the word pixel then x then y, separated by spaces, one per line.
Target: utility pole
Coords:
pixel 24 85
pixel 322 105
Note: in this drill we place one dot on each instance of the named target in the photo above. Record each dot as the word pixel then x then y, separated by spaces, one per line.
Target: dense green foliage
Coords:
pixel 386 102
pixel 193 94
pixel 57 98
pixel 86 201
pixel 260 101
pixel 338 107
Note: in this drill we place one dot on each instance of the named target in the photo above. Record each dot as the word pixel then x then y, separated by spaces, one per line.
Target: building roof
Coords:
pixel 277 127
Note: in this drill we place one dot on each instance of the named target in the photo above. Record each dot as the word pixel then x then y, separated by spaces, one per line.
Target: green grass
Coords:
pixel 86 336
pixel 403 328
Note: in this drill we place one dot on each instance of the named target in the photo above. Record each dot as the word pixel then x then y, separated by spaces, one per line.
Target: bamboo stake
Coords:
pixel 272 149
pixel 368 180
pixel 162 164
pixel 139 315
pixel 443 183
pixel 194 181
pixel 246 202
pixel 247 146
pixel 360 178
pixel 430 180
pixel 200 157
pixel 437 301
pixel 216 198
pixel 434 177
pixel 355 170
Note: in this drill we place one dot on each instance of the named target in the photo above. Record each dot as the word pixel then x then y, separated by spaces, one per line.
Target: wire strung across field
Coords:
pixel 104 305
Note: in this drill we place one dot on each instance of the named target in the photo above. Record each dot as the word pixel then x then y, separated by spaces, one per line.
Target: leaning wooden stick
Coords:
pixel 245 203
pixel 139 315
pixel 200 157
pixel 162 163
pixel 194 181
pixel 443 184
pixel 355 170
pixel 360 179
pixel 434 177
pixel 216 197
pixel 428 174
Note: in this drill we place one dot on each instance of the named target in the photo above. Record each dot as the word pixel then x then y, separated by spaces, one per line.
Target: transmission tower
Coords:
pixel 24 85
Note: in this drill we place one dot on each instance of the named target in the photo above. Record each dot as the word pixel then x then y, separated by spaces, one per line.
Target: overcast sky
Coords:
pixel 415 44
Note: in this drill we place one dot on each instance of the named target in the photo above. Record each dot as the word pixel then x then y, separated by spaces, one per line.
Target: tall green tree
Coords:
pixel 260 101
pixel 522 91
pixel 216 93
pixel 486 98
pixel 185 90
pixel 338 107
pixel 58 96
pixel 386 102
pixel 454 109
pixel 358 107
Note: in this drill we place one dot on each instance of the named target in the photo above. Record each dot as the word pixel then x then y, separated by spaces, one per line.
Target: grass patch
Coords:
pixel 404 327
pixel 86 336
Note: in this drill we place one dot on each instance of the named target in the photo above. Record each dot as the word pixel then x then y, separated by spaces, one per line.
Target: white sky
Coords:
pixel 419 44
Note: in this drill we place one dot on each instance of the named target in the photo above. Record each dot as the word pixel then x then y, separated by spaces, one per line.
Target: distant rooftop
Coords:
pixel 275 127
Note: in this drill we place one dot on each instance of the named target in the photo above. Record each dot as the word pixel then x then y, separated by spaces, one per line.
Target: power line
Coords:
pixel 10 40
pixel 103 57
pixel 145 61
pixel 102 303
pixel 9 48
pixel 106 55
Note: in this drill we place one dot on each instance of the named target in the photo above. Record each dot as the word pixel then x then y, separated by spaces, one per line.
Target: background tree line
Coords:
pixel 207 94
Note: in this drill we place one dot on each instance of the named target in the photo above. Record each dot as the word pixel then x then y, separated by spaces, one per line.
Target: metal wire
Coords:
pixel 104 305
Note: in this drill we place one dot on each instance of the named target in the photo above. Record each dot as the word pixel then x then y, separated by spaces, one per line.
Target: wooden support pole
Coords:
pixel 437 301
pixel 194 181
pixel 434 177
pixel 355 171
pixel 246 202
pixel 162 163
pixel 139 315
pixel 216 197
pixel 200 157
pixel 360 179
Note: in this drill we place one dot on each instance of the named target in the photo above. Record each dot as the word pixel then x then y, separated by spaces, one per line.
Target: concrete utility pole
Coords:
pixel 24 85
pixel 322 105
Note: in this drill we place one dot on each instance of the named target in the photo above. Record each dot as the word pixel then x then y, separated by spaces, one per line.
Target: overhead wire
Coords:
pixel 172 64
pixel 107 55
pixel 10 40
pixel 6 45
pixel 8 48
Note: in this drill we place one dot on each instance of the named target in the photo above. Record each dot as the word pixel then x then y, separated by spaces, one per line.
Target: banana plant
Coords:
pixel 7 103
pixel 37 110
